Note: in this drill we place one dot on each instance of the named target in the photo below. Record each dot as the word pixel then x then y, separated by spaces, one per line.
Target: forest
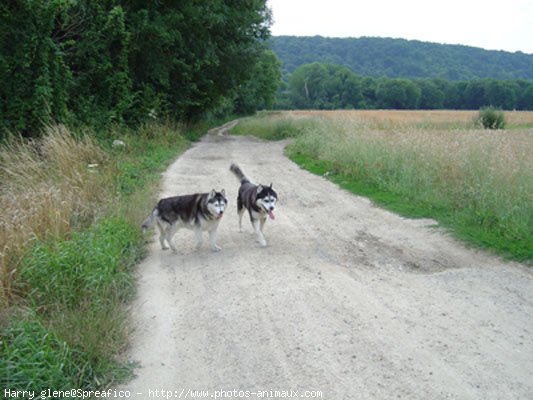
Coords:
pixel 329 86
pixel 370 73
pixel 124 62
pixel 399 58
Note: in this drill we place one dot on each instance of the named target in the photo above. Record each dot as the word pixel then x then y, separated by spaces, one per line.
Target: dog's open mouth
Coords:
pixel 271 215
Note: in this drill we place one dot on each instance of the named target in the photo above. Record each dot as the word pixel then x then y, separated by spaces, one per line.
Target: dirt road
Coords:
pixel 347 301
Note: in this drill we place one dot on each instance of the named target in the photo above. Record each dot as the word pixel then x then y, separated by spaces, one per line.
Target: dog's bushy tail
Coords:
pixel 238 173
pixel 149 221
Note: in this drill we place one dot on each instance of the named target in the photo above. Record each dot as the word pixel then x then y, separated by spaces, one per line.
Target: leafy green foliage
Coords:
pixel 259 92
pixel 194 53
pixel 324 86
pixel 328 86
pixel 33 72
pixel 397 94
pixel 491 118
pixel 399 58
pixel 125 61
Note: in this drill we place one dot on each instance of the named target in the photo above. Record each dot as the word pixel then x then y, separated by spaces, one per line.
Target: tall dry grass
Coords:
pixel 48 187
pixel 444 119
pixel 481 180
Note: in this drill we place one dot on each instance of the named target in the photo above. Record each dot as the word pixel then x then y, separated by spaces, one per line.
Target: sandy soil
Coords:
pixel 347 299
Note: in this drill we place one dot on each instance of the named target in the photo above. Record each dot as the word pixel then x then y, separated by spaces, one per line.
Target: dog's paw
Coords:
pixel 263 243
pixel 164 247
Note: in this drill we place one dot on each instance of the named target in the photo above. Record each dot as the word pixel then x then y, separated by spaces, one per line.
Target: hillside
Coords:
pixel 403 58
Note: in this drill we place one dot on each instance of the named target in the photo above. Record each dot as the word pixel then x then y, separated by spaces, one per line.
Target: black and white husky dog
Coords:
pixel 259 200
pixel 199 212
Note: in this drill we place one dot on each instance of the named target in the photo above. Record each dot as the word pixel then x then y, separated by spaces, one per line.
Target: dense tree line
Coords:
pixel 129 60
pixel 329 86
pixel 399 58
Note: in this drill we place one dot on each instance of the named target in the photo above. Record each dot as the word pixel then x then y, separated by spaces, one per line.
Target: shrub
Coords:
pixel 491 118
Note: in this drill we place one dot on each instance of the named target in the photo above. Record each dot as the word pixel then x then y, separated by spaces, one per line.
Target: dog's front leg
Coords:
pixel 199 239
pixel 258 233
pixel 213 239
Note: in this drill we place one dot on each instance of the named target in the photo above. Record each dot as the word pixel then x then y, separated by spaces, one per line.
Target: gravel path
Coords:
pixel 348 301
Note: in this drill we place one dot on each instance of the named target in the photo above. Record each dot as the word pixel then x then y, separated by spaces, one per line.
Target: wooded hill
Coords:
pixel 378 57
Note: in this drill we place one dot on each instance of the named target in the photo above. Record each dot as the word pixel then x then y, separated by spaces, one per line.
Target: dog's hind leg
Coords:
pixel 171 231
pixel 240 211
pixel 199 239
pixel 162 235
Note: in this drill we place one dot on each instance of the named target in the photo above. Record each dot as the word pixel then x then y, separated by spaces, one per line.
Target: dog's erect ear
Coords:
pixel 223 193
pixel 270 185
pixel 259 189
pixel 211 194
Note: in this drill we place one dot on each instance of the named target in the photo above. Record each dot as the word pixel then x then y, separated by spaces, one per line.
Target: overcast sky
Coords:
pixel 493 25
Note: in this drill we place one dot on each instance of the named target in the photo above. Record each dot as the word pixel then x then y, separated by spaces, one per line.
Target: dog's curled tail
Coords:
pixel 149 221
pixel 238 173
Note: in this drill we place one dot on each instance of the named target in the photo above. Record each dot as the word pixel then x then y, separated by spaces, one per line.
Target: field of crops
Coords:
pixel 435 118
pixel 438 164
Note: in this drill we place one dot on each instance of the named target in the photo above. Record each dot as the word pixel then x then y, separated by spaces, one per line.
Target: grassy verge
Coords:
pixel 69 238
pixel 476 183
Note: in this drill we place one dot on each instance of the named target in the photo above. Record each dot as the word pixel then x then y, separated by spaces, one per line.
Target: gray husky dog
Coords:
pixel 199 212
pixel 259 200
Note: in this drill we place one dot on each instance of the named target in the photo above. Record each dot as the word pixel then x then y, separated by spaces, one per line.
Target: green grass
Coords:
pixel 265 127
pixel 475 184
pixel 35 359
pixel 67 273
pixel 78 327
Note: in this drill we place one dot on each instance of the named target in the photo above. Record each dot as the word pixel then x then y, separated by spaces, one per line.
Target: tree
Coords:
pixel 431 96
pixel 306 85
pixel 119 61
pixel 397 94
pixel 194 52
pixel 525 101
pixel 259 92
pixel 324 86
pixel 35 79
pixel 474 95
pixel 500 94
pixel 96 41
